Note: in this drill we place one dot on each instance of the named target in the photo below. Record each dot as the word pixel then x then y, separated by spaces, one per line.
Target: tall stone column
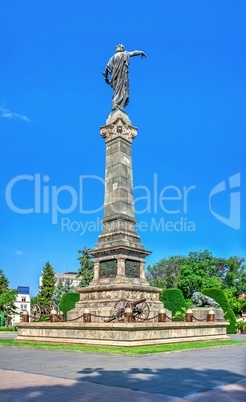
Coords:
pixel 119 249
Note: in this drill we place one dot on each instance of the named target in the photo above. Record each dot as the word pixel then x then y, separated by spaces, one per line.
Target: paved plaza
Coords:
pixel 213 374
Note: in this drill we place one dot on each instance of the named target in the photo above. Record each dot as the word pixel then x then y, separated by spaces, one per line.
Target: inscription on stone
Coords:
pixel 108 268
pixel 132 269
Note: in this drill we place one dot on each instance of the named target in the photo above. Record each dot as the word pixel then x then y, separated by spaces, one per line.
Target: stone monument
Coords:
pixel 119 255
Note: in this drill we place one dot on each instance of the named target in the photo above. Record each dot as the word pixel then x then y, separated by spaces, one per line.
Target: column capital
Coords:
pixel 118 125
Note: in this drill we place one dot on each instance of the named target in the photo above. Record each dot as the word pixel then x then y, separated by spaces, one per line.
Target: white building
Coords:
pixel 22 302
pixel 67 276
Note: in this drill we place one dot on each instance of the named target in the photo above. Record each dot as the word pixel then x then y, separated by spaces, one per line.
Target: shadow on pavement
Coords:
pixel 174 382
pixel 103 385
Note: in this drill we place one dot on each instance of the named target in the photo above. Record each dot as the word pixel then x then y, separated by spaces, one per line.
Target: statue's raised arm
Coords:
pixel 137 53
pixel 117 68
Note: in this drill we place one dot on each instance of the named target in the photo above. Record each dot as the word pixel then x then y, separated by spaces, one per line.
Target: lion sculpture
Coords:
pixel 202 300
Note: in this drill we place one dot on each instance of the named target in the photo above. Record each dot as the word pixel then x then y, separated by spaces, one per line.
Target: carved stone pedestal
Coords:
pixel 101 300
pixel 120 334
pixel 200 313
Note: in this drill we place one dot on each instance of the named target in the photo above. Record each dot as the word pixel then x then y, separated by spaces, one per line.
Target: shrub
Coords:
pixel 243 306
pixel 241 325
pixel 220 297
pixel 173 300
pixel 8 329
pixel 2 319
pixel 68 301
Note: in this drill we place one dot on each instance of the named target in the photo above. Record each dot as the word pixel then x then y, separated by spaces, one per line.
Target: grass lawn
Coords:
pixel 134 350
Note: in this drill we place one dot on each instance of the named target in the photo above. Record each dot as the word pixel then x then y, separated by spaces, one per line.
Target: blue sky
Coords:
pixel 187 100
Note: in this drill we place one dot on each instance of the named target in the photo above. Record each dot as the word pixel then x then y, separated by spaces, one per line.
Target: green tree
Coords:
pixel 47 288
pixel 235 275
pixel 58 292
pixel 68 286
pixel 194 275
pixel 241 280
pixel 234 281
pixel 86 269
pixel 7 296
pixel 60 289
pixel 34 300
pixel 4 283
pixel 201 269
pixel 7 299
pixel 187 273
pixel 164 273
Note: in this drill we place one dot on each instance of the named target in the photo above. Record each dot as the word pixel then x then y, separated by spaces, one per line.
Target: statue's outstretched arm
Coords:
pixel 137 53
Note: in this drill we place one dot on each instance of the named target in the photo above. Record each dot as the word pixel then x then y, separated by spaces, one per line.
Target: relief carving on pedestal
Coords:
pixel 108 268
pixel 119 224
pixel 132 269
pixel 127 294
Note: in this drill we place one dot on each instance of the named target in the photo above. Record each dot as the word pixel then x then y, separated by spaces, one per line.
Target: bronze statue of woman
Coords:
pixel 117 67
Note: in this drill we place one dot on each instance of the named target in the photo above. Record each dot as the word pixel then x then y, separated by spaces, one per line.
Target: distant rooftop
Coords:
pixel 24 290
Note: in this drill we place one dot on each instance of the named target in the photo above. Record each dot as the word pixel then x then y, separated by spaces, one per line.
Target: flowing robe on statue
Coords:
pixel 118 68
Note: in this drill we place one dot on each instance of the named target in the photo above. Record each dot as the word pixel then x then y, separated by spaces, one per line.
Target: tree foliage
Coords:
pixel 198 270
pixel 34 300
pixel 2 319
pixel 163 274
pixel 86 269
pixel 47 288
pixel 68 286
pixel 7 296
pixel 243 306
pixel 58 292
pixel 4 283
pixel 60 289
